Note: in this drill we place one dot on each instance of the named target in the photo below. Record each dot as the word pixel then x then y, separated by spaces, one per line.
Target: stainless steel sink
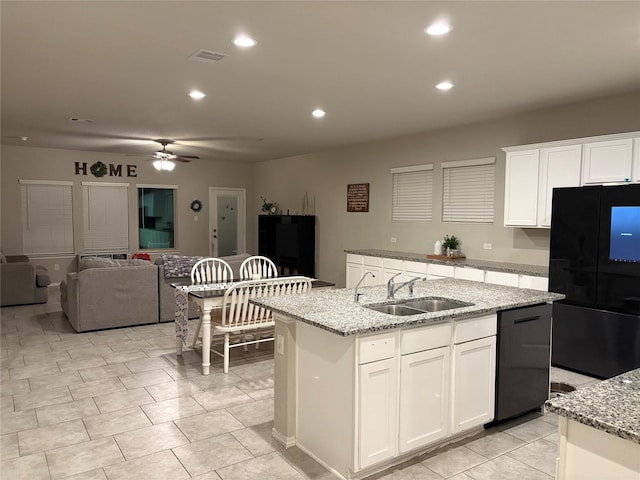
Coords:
pixel 434 304
pixel 394 309
pixel 417 306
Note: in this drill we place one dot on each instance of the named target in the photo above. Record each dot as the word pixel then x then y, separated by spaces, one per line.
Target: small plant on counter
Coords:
pixel 450 243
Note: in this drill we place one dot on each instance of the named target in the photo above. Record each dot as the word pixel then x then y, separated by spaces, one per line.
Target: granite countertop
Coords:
pixel 335 310
pixel 519 268
pixel 612 406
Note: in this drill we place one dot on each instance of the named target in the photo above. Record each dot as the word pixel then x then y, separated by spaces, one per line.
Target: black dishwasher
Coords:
pixel 523 358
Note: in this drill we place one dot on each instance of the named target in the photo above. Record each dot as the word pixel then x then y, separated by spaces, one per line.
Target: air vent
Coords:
pixel 207 56
pixel 80 120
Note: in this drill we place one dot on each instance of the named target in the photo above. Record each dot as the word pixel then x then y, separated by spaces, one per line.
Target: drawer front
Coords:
pixel 352 258
pixel 473 328
pixel 466 273
pixel 502 278
pixel 373 261
pixel 424 338
pixel 415 268
pixel 392 263
pixel 441 270
pixel 376 347
pixel 534 283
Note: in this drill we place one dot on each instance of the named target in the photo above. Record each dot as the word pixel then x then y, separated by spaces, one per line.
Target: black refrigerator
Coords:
pixel 594 260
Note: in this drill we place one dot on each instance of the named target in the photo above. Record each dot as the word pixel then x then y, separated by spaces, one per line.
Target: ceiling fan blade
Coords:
pixel 189 157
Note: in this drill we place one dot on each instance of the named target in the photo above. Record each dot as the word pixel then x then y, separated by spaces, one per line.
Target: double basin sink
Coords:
pixel 416 306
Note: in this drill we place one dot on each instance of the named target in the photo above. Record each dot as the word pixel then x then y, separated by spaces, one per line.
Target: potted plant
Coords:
pixel 451 244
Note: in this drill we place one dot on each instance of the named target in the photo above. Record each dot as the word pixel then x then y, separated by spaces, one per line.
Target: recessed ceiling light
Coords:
pixel 244 41
pixel 444 86
pixel 196 94
pixel 438 28
pixel 318 113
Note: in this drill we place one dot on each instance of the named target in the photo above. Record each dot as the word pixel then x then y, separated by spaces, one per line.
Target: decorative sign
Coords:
pixel 100 169
pixel 358 197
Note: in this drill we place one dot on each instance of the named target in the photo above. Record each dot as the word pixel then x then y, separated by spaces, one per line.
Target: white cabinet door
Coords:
pixel 377 419
pixel 534 283
pixel 472 395
pixel 607 161
pixel 469 273
pixel 559 167
pixel 424 398
pixel 521 188
pixel 354 273
pixel 635 174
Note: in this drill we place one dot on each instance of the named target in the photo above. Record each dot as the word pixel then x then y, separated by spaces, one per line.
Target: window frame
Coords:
pixel 476 201
pixel 405 194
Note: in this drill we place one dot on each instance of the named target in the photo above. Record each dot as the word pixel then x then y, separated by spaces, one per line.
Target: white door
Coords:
pixel 424 398
pixel 474 374
pixel 378 431
pixel 227 221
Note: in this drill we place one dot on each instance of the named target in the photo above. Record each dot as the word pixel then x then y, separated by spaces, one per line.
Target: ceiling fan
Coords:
pixel 164 159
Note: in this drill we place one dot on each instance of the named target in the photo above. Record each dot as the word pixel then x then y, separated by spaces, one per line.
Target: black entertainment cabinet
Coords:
pixel 290 241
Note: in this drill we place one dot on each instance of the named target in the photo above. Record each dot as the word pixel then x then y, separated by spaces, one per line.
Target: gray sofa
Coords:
pixel 22 282
pixel 177 269
pixel 107 293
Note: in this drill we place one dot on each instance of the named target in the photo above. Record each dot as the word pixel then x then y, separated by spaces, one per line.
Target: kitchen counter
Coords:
pixel 519 268
pixel 612 406
pixel 336 311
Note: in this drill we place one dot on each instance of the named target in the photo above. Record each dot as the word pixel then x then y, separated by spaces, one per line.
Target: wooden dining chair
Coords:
pixel 258 267
pixel 209 270
pixel 249 323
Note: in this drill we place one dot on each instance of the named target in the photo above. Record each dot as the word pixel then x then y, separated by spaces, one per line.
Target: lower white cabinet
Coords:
pixel 502 278
pixel 472 395
pixel 377 406
pixel 424 398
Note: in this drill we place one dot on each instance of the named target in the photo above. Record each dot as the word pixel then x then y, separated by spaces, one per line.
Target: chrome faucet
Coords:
pixel 356 295
pixel 392 289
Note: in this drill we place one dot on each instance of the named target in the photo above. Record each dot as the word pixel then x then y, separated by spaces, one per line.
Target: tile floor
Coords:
pixel 119 404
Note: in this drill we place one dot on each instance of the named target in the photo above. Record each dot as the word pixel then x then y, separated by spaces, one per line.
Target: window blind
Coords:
pixel 106 217
pixel 468 191
pixel 412 194
pixel 47 217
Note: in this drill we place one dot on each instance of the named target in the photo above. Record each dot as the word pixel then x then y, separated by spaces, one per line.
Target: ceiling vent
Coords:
pixel 207 56
pixel 80 120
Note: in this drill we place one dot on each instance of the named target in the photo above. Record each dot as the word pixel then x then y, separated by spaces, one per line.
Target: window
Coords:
pixel 156 207
pixel 468 190
pixel 47 217
pixel 412 195
pixel 106 217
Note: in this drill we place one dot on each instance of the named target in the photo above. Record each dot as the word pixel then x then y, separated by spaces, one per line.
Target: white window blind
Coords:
pixel 47 217
pixel 412 194
pixel 106 217
pixel 468 191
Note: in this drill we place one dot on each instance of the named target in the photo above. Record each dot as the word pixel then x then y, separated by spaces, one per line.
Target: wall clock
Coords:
pixel 196 205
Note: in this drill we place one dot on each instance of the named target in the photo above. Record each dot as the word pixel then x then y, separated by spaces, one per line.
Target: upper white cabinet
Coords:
pixel 559 167
pixel 521 188
pixel 533 171
pixel 607 161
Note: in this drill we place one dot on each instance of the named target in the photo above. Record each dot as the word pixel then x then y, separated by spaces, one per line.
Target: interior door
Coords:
pixel 227 221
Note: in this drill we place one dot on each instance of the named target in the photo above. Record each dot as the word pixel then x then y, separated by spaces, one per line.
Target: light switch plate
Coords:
pixel 488 246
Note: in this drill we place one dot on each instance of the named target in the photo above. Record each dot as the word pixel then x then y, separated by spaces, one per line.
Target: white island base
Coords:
pixel 586 453
pixel 359 404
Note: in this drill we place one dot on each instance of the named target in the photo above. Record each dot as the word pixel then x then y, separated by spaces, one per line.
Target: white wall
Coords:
pixel 325 175
pixel 193 181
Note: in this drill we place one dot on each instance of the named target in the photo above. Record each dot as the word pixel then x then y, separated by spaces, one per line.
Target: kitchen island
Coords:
pixel 360 390
pixel 600 430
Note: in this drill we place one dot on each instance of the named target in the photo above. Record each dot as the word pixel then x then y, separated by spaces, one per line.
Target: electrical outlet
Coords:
pixel 488 246
pixel 195 218
pixel 56 266
pixel 394 239
pixel 280 344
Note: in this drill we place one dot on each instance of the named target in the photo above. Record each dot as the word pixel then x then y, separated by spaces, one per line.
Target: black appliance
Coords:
pixel 522 360
pixel 594 260
pixel 289 240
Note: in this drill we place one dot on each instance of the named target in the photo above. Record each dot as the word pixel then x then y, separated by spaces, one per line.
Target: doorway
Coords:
pixel 227 221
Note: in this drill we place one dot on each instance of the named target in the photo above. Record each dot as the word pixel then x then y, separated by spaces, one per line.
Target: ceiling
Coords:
pixel 125 66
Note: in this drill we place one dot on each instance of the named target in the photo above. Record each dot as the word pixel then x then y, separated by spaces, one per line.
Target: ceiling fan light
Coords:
pixel 164 164
pixel 169 165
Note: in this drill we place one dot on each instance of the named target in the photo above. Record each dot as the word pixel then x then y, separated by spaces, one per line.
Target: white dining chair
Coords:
pixel 258 267
pixel 249 323
pixel 209 270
